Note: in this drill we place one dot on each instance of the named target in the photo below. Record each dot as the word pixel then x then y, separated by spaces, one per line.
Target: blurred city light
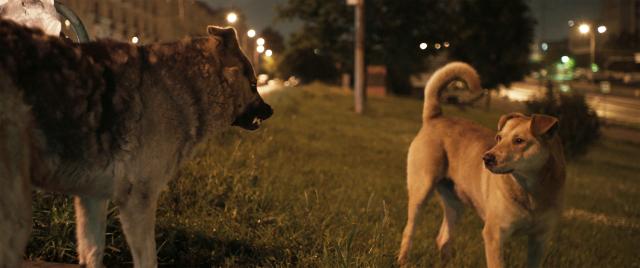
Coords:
pixel 423 46
pixel 602 29
pixel 544 46
pixel 232 17
pixel 268 53
pixel 135 39
pixel 437 45
pixel 260 41
pixel 584 28
pixel 260 48
pixel 571 23
pixel 251 33
pixel 446 44
pixel 67 23
pixel 565 59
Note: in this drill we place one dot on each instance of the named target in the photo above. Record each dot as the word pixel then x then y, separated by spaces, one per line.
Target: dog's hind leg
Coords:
pixel 452 209
pixel 15 173
pixel 91 220
pixel 138 218
pixel 423 171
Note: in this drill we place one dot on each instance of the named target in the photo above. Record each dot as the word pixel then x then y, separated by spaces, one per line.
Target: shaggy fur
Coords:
pixel 115 121
pixel 518 190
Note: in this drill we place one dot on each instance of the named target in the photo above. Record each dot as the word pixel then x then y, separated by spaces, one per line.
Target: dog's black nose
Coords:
pixel 489 159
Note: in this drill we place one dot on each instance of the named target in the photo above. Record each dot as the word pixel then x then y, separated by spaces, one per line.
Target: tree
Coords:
pixel 274 40
pixel 306 61
pixel 495 37
pixel 394 30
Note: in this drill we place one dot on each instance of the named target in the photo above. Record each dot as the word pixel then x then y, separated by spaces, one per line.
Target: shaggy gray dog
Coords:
pixel 111 121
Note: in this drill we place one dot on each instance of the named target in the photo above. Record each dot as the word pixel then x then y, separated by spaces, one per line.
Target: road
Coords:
pixel 618 108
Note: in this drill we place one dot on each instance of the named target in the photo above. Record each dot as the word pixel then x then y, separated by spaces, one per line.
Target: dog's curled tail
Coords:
pixel 440 79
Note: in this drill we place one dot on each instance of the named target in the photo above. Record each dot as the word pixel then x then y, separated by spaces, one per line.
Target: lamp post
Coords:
pixel 251 33
pixel 260 42
pixel 586 29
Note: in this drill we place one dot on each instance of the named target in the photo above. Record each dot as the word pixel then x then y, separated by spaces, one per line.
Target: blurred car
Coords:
pixel 625 71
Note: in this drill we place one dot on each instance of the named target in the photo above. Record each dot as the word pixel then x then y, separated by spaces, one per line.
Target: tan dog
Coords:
pixel 513 179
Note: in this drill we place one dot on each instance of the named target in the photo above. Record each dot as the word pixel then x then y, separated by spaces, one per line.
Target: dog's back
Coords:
pixel 15 208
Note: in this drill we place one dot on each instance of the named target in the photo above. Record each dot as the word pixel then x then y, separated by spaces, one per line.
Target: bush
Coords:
pixel 579 125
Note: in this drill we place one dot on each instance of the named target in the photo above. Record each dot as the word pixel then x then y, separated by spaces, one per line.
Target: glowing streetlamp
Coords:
pixel 423 46
pixel 135 40
pixel 260 41
pixel 251 33
pixel 602 29
pixel 586 29
pixel 260 48
pixel 268 53
pixel 232 17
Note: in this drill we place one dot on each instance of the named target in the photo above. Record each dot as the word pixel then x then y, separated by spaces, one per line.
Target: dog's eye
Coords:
pixel 518 141
pixel 498 138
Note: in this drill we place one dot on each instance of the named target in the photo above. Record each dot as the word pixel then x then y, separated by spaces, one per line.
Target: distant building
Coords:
pixel 149 20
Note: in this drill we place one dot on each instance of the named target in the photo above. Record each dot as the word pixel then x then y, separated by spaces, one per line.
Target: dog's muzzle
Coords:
pixel 254 114
pixel 491 163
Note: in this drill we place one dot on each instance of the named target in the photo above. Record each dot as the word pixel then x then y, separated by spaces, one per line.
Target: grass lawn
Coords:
pixel 318 186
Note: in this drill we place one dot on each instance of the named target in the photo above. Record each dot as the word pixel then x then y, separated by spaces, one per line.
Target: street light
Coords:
pixel 135 40
pixel 251 33
pixel 260 41
pixel 602 29
pixel 232 17
pixel 268 53
pixel 423 46
pixel 586 29
pixel 260 49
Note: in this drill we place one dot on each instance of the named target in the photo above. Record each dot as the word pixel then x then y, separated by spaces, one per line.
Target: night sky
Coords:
pixel 552 15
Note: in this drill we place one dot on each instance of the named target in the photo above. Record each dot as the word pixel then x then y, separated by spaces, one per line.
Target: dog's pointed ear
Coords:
pixel 504 118
pixel 225 36
pixel 543 125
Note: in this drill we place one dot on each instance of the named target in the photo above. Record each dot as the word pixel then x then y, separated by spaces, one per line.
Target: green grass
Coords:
pixel 319 186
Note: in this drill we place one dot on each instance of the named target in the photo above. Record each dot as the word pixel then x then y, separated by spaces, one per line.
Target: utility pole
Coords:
pixel 359 75
pixel 592 47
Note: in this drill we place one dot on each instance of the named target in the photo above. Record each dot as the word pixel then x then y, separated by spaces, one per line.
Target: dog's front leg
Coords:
pixel 494 237
pixel 138 218
pixel 536 252
pixel 91 221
